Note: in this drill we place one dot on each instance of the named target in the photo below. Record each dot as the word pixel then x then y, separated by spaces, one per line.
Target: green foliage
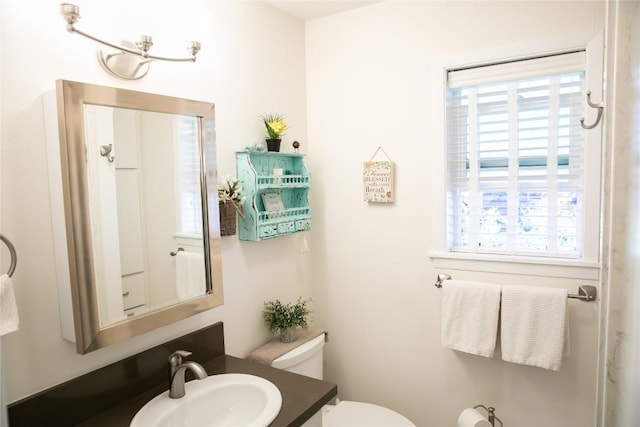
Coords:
pixel 278 316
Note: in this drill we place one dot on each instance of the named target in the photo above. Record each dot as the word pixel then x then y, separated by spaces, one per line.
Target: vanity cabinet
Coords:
pixel 277 194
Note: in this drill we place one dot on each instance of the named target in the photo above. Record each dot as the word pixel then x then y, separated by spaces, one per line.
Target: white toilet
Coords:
pixel 306 359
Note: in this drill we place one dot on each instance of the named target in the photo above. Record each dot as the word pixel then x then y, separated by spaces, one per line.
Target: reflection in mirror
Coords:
pixel 144 246
pixel 143 171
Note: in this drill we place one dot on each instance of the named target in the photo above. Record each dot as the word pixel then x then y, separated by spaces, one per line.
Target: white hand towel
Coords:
pixel 9 319
pixel 190 275
pixel 533 325
pixel 470 313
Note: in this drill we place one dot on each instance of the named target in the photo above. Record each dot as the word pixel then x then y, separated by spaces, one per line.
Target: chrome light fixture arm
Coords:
pixel 117 63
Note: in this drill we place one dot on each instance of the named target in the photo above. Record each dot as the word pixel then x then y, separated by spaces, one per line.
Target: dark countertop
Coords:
pixel 112 395
pixel 302 396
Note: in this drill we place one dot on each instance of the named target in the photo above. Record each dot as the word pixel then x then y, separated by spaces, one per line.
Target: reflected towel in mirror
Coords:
pixel 190 275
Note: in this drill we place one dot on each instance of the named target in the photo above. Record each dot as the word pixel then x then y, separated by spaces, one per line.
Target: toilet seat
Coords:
pixel 352 414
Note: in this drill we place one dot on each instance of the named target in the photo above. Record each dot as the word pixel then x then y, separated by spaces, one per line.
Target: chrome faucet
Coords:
pixel 178 369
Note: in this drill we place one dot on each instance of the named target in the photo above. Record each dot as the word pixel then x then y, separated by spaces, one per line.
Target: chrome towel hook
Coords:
pixel 105 151
pixel 599 106
pixel 12 252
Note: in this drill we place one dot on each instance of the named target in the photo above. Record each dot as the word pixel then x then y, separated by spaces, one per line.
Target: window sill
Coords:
pixel 188 240
pixel 528 266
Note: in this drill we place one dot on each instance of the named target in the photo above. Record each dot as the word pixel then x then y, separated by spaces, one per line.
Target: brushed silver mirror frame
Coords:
pixel 71 98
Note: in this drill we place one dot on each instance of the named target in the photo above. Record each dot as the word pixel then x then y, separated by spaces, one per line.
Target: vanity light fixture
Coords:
pixel 128 61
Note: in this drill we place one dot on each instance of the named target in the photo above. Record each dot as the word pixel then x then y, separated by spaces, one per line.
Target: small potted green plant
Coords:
pixel 284 318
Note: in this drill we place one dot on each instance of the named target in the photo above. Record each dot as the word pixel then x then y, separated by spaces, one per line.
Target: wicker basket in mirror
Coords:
pixel 228 218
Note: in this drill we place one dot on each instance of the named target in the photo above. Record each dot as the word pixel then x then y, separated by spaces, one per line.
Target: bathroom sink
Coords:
pixel 218 400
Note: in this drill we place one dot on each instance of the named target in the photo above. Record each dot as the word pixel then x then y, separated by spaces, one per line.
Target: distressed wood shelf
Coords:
pixel 256 173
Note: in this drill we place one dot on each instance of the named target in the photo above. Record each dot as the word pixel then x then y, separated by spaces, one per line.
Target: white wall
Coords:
pixel 368 85
pixel 251 63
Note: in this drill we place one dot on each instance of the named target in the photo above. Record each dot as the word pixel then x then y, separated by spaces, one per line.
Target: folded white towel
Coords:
pixel 533 325
pixel 190 275
pixel 470 313
pixel 9 319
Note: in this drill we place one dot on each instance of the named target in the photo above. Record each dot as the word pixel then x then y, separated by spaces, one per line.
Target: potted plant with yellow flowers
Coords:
pixel 230 199
pixel 275 125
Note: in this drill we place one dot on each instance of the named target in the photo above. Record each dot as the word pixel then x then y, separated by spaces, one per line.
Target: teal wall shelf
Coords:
pixel 256 173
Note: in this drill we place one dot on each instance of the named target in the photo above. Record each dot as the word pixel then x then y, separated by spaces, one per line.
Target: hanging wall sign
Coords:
pixel 378 179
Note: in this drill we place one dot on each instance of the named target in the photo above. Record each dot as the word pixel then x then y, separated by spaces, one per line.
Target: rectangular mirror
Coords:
pixel 139 181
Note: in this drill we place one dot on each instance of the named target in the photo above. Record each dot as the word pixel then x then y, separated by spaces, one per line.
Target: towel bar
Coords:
pixel 12 252
pixel 174 253
pixel 585 292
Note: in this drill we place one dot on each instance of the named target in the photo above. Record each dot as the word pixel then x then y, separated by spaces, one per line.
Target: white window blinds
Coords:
pixel 515 157
pixel 189 176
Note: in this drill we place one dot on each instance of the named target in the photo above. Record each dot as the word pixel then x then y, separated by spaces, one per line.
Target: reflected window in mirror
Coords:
pixel 190 223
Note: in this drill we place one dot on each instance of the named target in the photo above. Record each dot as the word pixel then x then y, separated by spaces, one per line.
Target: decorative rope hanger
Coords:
pixel 377 151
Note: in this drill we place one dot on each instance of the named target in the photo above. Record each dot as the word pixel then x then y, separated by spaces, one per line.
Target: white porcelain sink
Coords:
pixel 218 400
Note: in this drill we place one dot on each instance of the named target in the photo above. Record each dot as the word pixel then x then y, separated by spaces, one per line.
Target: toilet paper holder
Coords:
pixel 491 414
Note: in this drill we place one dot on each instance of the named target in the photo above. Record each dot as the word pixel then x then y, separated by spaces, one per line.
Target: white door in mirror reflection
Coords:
pixel 145 203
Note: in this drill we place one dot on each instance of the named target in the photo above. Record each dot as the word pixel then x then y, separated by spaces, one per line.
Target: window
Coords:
pixel 190 213
pixel 516 158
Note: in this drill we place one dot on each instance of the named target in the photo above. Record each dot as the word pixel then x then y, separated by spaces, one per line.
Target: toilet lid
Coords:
pixel 351 414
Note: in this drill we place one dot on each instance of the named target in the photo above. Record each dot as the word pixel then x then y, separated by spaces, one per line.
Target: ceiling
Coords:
pixel 312 9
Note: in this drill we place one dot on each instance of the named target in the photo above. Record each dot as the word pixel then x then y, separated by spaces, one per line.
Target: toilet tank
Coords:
pixel 306 359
